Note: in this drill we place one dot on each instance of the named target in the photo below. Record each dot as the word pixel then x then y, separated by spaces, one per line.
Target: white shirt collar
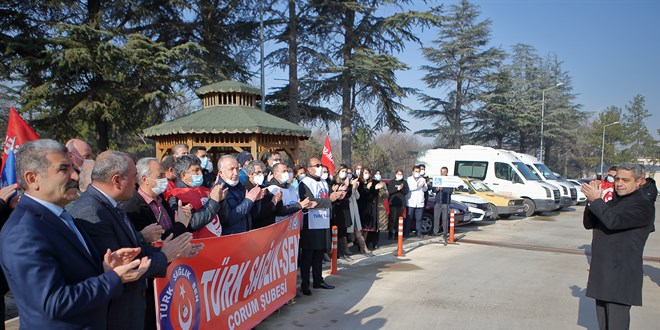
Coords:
pixel 50 206
pixel 112 200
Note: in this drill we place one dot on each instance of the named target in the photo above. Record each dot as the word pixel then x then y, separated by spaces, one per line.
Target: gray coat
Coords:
pixel 620 229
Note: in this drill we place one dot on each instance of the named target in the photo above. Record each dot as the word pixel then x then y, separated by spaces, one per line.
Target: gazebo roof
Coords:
pixel 228 120
pixel 228 86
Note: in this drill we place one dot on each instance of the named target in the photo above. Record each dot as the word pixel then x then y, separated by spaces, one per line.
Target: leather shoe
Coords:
pixel 323 286
pixel 306 292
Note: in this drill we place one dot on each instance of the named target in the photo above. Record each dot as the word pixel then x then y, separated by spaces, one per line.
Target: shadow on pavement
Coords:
pixel 352 284
pixel 586 309
pixel 652 273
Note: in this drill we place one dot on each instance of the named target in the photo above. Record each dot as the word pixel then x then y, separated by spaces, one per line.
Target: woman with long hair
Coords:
pixel 341 215
pixel 356 223
pixel 368 205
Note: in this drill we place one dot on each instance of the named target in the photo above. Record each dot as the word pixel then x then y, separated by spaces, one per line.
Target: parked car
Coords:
pixel 462 215
pixel 500 206
pixel 581 198
pixel 477 205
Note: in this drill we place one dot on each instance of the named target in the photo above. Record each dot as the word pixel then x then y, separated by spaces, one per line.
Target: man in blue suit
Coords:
pixel 113 181
pixel 58 279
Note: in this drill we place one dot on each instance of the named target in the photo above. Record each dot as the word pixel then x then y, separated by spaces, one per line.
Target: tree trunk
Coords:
pixel 346 109
pixel 294 113
pixel 102 133
pixel 457 113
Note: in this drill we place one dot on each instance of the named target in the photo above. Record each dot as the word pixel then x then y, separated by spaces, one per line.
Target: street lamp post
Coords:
pixel 602 149
pixel 543 112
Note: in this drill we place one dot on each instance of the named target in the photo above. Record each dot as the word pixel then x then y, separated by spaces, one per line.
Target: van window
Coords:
pixel 471 169
pixel 529 175
pixel 504 171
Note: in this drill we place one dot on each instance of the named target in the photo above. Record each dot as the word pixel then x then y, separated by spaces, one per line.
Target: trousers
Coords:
pixel 311 258
pixel 612 315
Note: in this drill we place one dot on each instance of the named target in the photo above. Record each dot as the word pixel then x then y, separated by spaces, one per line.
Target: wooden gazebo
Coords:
pixel 229 123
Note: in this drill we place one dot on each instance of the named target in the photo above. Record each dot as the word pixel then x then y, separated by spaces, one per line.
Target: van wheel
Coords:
pixel 530 207
pixel 493 209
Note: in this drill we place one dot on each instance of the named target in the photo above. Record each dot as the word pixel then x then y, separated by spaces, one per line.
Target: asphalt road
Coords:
pixel 474 286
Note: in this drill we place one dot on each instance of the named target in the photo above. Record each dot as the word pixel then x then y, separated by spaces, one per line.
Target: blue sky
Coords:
pixel 611 49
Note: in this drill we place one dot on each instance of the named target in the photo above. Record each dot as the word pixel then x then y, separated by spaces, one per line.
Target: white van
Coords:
pixel 500 170
pixel 568 192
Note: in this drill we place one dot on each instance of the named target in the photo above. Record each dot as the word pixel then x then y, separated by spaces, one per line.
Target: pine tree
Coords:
pixel 353 62
pixel 460 64
pixel 640 141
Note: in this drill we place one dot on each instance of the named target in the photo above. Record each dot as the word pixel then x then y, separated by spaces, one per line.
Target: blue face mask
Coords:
pixel 204 162
pixel 197 180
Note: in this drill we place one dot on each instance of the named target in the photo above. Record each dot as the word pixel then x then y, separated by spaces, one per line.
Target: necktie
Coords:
pixel 69 221
pixel 127 223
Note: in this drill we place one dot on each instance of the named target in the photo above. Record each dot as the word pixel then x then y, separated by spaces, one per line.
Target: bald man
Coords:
pixel 79 151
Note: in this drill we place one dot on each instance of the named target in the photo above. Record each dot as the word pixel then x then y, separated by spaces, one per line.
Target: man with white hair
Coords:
pixel 179 150
pixel 79 152
pixel 240 203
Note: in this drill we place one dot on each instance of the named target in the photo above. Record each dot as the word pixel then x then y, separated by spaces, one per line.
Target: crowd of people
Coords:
pixel 76 244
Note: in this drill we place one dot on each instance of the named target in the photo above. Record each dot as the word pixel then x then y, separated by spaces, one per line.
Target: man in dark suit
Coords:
pixel 620 230
pixel 57 277
pixel 113 180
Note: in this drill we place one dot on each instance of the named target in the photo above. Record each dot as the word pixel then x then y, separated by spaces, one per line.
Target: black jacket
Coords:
pixel 141 215
pixel 266 209
pixel 397 197
pixel 620 230
pixel 313 239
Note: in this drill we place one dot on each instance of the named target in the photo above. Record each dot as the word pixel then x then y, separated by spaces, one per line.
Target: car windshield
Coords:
pixel 479 185
pixel 547 174
pixel 526 172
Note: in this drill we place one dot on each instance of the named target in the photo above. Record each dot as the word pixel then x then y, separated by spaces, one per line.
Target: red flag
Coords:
pixel 18 132
pixel 327 159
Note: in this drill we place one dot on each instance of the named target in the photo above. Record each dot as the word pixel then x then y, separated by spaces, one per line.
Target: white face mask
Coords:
pixel 358 171
pixel 230 182
pixel 258 179
pixel 416 175
pixel 318 171
pixel 399 177
pixel 342 175
pixel 161 186
pixel 377 177
pixel 284 177
pixel 349 175
pixel 301 177
pixel 209 166
pixel 324 176
pixel 366 176
pixel 421 172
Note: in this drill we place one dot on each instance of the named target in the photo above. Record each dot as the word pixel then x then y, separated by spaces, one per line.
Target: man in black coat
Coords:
pixel 315 231
pixel 620 230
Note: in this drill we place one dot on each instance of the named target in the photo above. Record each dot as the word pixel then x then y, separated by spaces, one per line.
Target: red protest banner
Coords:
pixel 327 159
pixel 234 283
